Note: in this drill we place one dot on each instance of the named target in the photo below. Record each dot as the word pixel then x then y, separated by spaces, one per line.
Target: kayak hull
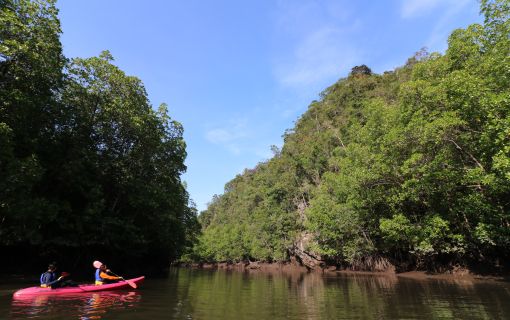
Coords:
pixel 79 289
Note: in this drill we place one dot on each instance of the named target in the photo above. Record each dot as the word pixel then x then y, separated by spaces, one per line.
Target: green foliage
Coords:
pixel 413 164
pixel 398 232
pixel 85 160
pixel 253 219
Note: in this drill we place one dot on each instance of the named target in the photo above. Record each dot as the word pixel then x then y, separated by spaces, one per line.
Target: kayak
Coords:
pixel 79 289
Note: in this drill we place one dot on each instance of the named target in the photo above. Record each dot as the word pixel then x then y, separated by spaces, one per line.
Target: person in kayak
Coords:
pixel 49 278
pixel 103 275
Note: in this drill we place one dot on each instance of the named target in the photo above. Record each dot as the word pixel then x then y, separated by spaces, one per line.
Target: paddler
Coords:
pixel 49 278
pixel 103 275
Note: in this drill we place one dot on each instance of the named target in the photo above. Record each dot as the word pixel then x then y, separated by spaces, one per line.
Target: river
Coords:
pixel 207 294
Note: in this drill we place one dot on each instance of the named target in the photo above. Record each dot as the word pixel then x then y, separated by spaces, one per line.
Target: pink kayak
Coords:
pixel 81 288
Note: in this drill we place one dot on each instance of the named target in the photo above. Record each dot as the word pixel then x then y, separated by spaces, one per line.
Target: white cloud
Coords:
pixel 219 136
pixel 415 8
pixel 298 17
pixel 441 30
pixel 318 42
pixel 229 137
pixel 321 55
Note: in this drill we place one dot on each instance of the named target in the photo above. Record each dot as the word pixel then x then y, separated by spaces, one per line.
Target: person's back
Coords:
pixel 49 279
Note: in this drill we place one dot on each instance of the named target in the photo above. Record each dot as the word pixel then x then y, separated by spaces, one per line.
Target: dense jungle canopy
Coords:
pixel 88 169
pixel 410 167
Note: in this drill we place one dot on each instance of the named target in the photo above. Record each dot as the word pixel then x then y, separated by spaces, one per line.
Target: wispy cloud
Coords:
pixel 318 34
pixel 416 8
pixel 442 29
pixel 219 136
pixel 230 136
pixel 321 55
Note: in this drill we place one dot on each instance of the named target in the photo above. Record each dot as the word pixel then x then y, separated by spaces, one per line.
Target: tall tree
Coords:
pixel 31 64
pixel 85 161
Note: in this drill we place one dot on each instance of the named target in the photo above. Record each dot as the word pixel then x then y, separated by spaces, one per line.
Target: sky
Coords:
pixel 237 74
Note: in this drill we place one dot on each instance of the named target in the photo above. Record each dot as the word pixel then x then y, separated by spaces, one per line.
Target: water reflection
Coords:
pixel 81 305
pixel 211 295
pixel 233 295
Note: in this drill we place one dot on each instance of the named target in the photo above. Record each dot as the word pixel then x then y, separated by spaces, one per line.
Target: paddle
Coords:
pixel 131 283
pixel 63 275
pixel 72 284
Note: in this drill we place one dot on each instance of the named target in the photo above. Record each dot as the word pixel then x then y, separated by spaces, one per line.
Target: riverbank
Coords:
pixel 290 267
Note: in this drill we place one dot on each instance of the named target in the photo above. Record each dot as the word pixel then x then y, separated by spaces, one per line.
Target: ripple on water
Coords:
pixel 78 306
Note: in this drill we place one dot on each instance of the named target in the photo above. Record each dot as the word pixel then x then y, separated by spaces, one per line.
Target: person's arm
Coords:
pixel 55 281
pixel 105 275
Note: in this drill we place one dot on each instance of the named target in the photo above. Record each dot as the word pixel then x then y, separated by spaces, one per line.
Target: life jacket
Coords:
pixel 99 280
pixel 45 280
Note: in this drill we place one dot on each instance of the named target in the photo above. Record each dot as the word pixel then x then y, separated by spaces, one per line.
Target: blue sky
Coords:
pixel 236 74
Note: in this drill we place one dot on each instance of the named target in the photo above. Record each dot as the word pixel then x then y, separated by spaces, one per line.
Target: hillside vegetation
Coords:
pixel 408 168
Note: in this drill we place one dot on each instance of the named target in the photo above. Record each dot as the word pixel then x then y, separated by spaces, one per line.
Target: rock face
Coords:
pixel 301 252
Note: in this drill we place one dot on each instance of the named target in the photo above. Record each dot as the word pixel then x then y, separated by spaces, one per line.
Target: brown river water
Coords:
pixel 208 294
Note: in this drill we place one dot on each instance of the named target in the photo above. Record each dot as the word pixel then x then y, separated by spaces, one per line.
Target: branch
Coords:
pixel 469 154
